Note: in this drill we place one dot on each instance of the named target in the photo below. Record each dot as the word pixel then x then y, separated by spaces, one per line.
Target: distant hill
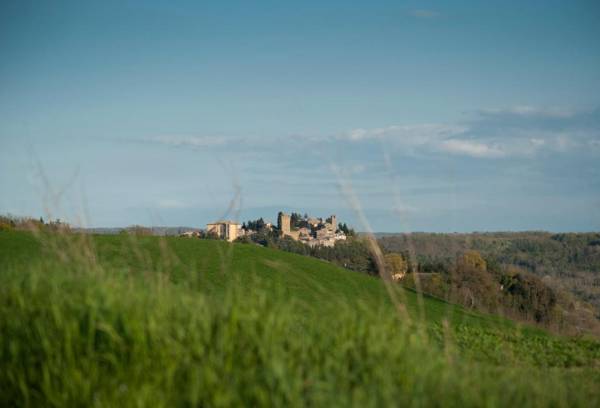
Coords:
pixel 160 231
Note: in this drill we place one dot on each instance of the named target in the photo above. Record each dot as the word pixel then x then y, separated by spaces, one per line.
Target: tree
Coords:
pixel 347 231
pixel 256 225
pixel 295 218
pixel 297 221
pixel 472 259
pixel 529 295
pixel 396 265
pixel 472 284
pixel 6 223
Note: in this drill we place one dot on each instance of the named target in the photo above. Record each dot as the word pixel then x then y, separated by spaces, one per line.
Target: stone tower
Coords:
pixel 333 221
pixel 284 223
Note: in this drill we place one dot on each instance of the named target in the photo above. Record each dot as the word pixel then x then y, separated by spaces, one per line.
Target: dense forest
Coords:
pixel 568 261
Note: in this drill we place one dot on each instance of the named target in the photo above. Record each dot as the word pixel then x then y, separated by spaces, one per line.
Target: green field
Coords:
pixel 147 321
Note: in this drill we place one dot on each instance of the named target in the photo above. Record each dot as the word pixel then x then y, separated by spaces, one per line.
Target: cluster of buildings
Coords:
pixel 311 231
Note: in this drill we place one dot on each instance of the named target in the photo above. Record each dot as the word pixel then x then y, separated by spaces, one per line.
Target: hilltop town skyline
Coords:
pixel 306 229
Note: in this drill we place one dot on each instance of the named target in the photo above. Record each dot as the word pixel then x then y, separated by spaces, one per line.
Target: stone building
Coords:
pixel 284 222
pixel 332 221
pixel 284 225
pixel 316 232
pixel 314 222
pixel 228 230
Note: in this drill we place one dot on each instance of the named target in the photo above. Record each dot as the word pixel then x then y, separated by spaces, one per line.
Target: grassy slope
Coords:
pixel 122 320
pixel 317 286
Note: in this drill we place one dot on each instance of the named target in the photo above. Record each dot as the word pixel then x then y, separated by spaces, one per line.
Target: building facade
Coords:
pixel 227 230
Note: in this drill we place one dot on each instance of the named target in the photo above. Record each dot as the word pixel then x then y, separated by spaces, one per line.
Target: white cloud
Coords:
pixel 471 148
pixel 359 134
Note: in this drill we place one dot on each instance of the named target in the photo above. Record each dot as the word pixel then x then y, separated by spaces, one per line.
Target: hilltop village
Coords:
pixel 307 230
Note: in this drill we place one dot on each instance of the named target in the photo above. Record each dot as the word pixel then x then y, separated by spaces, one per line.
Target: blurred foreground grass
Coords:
pixel 146 321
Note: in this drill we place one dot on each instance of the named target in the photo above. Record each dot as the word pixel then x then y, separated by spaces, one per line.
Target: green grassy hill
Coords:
pixel 212 266
pixel 126 320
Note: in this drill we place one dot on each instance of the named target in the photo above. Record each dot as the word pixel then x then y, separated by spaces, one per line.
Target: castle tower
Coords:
pixel 284 222
pixel 333 221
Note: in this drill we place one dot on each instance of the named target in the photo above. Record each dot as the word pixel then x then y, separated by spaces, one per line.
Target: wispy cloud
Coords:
pixel 423 13
pixel 190 141
pixel 530 111
pixel 498 133
pixel 518 131
pixel 471 148
pixel 420 134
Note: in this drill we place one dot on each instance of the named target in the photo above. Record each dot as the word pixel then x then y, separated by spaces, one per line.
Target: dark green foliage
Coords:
pixel 264 237
pixel 297 221
pixel 571 261
pixel 353 254
pixel 256 225
pixel 346 230
pixel 425 265
pixel 528 294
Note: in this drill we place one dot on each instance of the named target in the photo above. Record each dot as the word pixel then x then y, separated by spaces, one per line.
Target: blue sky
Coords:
pixel 428 116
